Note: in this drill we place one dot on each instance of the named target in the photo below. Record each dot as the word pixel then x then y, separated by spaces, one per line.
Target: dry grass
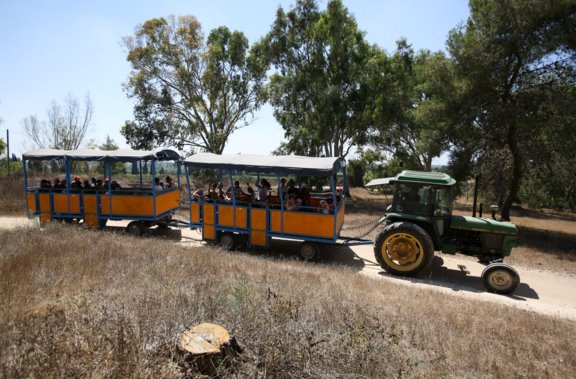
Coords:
pixel 78 303
pixel 12 200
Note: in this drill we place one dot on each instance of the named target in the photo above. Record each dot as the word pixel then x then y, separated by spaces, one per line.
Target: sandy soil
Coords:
pixel 540 291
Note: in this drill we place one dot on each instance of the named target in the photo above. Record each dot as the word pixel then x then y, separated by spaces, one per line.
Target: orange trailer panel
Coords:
pixel 340 217
pixel 167 201
pixel 208 228
pixel 61 203
pixel 258 238
pixel 209 214
pixel 90 205
pixel 195 213
pixel 127 205
pixel 226 216
pixel 91 221
pixel 208 232
pixel 303 223
pixel 44 200
pixel 258 234
pixel 32 206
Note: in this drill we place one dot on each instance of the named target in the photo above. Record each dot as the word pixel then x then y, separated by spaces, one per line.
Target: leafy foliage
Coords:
pixel 318 88
pixel 408 91
pixel 516 59
pixel 187 92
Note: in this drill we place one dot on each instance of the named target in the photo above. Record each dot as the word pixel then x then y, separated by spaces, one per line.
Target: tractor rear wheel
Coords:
pixel 500 278
pixel 404 248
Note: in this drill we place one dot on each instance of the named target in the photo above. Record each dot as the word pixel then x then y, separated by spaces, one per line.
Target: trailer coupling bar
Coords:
pixel 178 224
pixel 365 229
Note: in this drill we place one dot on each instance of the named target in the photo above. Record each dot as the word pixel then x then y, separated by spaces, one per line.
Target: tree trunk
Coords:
pixel 516 170
pixel 206 346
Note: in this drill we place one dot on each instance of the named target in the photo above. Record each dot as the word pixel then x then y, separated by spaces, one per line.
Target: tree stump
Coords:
pixel 207 345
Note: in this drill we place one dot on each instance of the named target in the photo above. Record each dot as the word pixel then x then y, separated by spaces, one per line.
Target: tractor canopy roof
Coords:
pixel 435 178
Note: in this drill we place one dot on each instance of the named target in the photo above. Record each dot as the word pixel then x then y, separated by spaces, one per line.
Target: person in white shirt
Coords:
pixel 158 185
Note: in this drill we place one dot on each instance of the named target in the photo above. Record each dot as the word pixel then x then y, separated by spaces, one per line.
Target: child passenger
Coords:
pixel 291 203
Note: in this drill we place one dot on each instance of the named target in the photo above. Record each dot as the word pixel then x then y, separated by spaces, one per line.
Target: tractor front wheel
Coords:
pixel 500 278
pixel 404 248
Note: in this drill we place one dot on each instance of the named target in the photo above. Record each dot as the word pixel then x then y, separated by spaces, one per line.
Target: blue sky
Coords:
pixel 52 48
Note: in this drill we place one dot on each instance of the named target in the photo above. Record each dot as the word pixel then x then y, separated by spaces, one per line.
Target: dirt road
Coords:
pixel 544 292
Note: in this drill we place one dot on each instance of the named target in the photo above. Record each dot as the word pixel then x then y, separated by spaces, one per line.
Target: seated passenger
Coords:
pixel 45 184
pixel 212 192
pixel 158 185
pixel 236 192
pixel 291 203
pixel 305 196
pixel 292 190
pixel 250 191
pixel 263 190
pixel 116 186
pixel 220 191
pixel 196 195
pixel 56 183
pixel 169 182
pixel 76 184
pixel 298 204
pixel 324 207
pixel 282 189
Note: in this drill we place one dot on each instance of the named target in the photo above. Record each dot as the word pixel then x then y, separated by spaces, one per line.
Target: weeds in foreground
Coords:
pixel 79 303
pixel 12 201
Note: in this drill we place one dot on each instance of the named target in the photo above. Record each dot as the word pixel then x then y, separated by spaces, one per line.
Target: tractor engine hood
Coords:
pixel 486 225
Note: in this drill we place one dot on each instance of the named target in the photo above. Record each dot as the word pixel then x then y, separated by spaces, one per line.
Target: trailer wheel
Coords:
pixel 135 228
pixel 404 248
pixel 227 241
pixel 308 251
pixel 500 278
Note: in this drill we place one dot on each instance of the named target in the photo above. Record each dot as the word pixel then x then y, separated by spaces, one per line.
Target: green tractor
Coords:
pixel 420 221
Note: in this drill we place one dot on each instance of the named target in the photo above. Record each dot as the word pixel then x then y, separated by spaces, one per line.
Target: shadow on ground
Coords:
pixel 460 280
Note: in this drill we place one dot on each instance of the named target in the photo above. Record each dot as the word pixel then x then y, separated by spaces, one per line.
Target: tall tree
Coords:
pixel 408 92
pixel 512 55
pixel 66 126
pixel 318 87
pixel 187 92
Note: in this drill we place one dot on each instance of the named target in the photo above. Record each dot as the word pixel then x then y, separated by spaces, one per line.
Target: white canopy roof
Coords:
pixel 378 182
pixel 268 164
pixel 123 155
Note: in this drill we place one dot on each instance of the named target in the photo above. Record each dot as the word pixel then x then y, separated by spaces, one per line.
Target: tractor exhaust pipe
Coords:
pixel 476 182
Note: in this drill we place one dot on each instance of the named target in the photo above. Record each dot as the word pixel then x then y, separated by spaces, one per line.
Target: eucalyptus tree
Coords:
pixel 190 92
pixel 318 86
pixel 410 97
